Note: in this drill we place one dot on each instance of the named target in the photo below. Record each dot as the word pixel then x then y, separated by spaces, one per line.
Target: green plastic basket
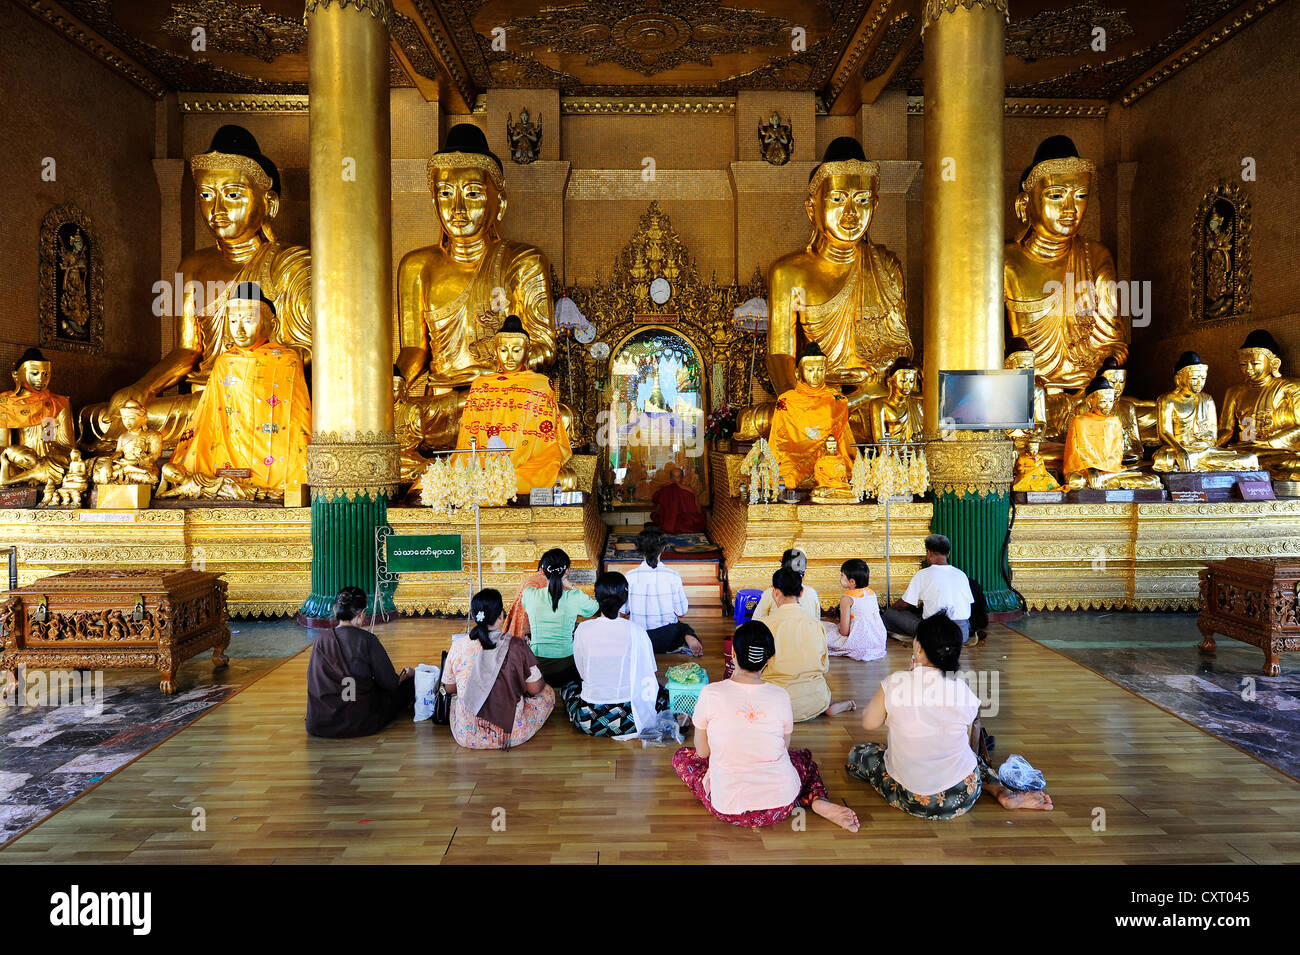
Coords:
pixel 682 696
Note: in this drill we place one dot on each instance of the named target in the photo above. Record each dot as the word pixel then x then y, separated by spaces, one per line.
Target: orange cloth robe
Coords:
pixel 519 408
pixel 677 511
pixel 255 413
pixel 29 410
pixel 1094 441
pixel 804 417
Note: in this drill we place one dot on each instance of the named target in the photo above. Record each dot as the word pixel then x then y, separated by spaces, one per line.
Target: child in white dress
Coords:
pixel 860 634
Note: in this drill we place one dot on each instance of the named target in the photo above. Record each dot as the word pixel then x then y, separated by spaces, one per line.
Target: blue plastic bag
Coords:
pixel 1017 774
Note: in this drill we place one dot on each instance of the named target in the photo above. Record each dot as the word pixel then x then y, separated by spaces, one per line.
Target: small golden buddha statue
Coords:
pixel 135 458
pixel 832 476
pixel 805 416
pixel 1031 470
pixel 1094 445
pixel 842 291
pixel 253 423
pixel 1188 425
pixel 1021 356
pixel 453 297
pixel 75 484
pixel 1060 287
pixel 239 195
pixel 1262 414
pixel 518 406
pixel 36 425
pixel 897 416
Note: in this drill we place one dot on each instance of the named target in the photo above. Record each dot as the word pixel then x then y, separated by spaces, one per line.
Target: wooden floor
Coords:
pixel 1168 792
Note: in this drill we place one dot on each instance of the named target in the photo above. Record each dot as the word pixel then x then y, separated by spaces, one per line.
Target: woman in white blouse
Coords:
pixel 930 767
pixel 618 692
pixel 796 560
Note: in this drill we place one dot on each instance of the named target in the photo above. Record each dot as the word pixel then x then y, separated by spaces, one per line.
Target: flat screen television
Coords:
pixel 994 400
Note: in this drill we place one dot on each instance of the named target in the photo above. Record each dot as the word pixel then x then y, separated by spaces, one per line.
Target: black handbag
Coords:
pixel 441 698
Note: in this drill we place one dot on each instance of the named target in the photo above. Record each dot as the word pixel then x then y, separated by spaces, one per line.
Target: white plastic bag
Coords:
pixel 426 688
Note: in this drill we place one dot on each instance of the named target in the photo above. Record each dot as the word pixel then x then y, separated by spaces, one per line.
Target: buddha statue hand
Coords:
pixel 567 478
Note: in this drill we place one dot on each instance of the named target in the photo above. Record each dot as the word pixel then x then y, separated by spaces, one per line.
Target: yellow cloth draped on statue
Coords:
pixel 519 408
pixel 255 413
pixel 1094 441
pixel 864 325
pixel 31 409
pixel 804 417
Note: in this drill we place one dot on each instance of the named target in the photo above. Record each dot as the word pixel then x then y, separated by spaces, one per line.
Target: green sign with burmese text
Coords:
pixel 423 553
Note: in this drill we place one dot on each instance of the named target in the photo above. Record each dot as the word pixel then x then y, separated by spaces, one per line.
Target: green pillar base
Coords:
pixel 343 554
pixel 977 527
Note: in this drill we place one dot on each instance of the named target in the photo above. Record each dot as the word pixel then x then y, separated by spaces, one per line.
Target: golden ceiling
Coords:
pixel 844 50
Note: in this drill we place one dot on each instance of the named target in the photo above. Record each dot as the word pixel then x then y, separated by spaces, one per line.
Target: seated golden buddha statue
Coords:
pixel 1031 470
pixel 38 432
pixel 1094 445
pixel 518 406
pixel 254 416
pixel 69 493
pixel 897 416
pixel 135 458
pixel 239 194
pixel 1021 356
pixel 842 292
pixel 1189 425
pixel 832 476
pixel 1060 287
pixel 453 297
pixel 805 416
pixel 1262 414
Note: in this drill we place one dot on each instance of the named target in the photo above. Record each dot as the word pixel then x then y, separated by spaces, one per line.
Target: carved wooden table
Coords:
pixel 90 619
pixel 1255 600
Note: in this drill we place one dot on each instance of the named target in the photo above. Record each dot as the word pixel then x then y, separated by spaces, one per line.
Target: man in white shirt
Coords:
pixel 937 586
pixel 656 599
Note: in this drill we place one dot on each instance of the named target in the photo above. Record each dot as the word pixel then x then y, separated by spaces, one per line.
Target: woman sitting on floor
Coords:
pixel 552 612
pixel 517 624
pixel 930 767
pixel 352 688
pixel 741 766
pixel 500 699
pixel 796 560
pixel 619 693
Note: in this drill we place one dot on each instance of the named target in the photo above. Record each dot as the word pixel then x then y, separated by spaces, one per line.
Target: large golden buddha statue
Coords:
pixel 805 417
pixel 1262 414
pixel 239 194
pixel 1188 425
pixel 453 297
pixel 842 291
pixel 1060 287
pixel 518 406
pixel 35 425
pixel 1094 445
pixel 897 417
pixel 251 429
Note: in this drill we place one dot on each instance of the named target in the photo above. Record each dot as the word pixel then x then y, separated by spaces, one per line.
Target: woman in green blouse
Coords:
pixel 553 612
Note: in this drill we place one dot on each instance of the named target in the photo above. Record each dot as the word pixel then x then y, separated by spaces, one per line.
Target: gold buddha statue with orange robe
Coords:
pixel 38 434
pixel 239 195
pixel 842 292
pixel 805 417
pixel 518 406
pixel 1059 287
pixel 1261 416
pixel 254 415
pixel 831 475
pixel 1094 445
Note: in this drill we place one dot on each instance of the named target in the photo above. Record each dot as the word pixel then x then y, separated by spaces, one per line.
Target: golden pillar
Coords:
pixel 353 462
pixel 971 472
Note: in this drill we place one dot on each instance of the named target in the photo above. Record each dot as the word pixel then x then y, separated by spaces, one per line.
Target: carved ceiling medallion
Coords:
pixel 234 28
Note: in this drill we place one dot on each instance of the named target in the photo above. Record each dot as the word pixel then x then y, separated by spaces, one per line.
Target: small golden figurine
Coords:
pixel 135 459
pixel 37 426
pixel 1261 416
pixel 1059 287
pixel 1031 471
pixel 897 417
pixel 1094 446
pixel 74 486
pixel 1188 425
pixel 805 416
pixel 832 476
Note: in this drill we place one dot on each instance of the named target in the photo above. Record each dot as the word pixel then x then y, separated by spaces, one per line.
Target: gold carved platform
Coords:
pixel 1063 556
pixel 264 553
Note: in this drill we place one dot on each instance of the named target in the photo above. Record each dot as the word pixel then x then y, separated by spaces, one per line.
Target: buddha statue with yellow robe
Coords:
pixel 831 475
pixel 1031 470
pixel 1189 426
pixel 1094 446
pixel 37 427
pixel 253 422
pixel 842 292
pixel 453 297
pixel 239 195
pixel 897 417
pixel 518 406
pixel 1261 416
pixel 1059 287
pixel 805 417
